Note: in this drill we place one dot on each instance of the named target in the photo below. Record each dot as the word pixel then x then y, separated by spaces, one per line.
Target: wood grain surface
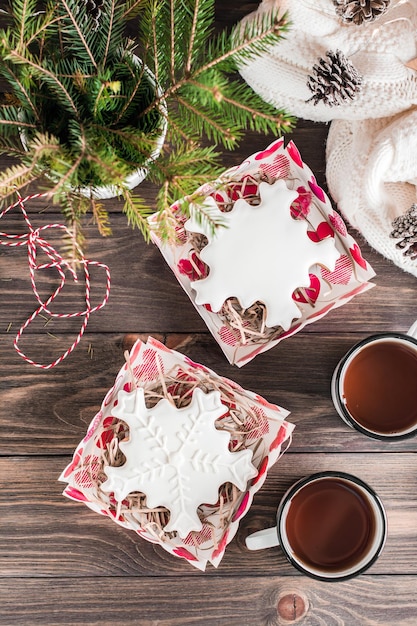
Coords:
pixel 61 564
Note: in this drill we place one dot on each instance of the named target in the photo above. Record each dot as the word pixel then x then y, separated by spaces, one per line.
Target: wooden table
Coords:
pixel 62 564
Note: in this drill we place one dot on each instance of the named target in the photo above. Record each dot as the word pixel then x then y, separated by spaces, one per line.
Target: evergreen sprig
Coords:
pixel 82 110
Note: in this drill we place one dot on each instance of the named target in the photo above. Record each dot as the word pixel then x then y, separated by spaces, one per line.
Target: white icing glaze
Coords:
pixel 176 456
pixel 261 254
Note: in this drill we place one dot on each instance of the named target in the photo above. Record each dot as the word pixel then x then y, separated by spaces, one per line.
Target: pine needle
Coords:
pixel 90 112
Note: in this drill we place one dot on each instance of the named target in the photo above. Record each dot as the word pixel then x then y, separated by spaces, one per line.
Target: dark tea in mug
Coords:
pixel 332 526
pixel 374 388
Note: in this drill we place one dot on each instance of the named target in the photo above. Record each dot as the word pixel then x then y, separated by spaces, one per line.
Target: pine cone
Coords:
pixel 405 229
pixel 334 81
pixel 360 11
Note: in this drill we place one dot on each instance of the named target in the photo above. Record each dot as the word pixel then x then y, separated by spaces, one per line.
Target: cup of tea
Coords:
pixel 330 525
pixel 374 386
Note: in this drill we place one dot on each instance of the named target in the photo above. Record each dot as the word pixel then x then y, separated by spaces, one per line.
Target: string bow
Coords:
pixel 34 240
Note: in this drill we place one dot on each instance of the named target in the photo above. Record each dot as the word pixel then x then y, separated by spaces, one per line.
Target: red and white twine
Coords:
pixel 33 239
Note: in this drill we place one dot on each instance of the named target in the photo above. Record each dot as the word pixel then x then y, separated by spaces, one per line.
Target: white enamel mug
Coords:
pixel 367 523
pixel 386 385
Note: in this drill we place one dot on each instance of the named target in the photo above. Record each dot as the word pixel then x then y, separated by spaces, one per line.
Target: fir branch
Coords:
pixel 189 162
pixel 195 206
pixel 131 97
pixel 192 37
pixel 73 241
pixel 111 17
pixel 39 28
pixel 143 144
pixel 16 123
pixel 25 96
pixel 79 33
pixel 11 146
pixel 131 7
pixel 176 134
pixel 255 37
pixel 64 181
pixel 169 49
pixel 16 177
pixel 30 23
pixel 155 46
pixel 91 115
pixel 73 208
pixel 167 223
pixel 42 143
pixel 246 43
pixel 28 7
pixel 109 174
pixel 212 127
pixel 48 76
pixel 101 218
pixel 276 121
pixel 172 33
pixel 182 172
pixel 137 213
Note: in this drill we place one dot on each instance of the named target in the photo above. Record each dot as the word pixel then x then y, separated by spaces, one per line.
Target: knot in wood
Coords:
pixel 291 607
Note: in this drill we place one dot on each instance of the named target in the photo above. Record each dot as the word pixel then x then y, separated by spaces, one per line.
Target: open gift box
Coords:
pixel 281 257
pixel 176 453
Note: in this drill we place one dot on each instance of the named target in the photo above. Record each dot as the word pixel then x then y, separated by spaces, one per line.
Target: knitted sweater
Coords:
pixel 371 171
pixel 378 50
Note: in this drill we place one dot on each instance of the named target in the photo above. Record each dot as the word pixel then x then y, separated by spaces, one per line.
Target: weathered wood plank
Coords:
pixel 245 601
pixel 48 412
pixel 44 534
pixel 145 295
pixel 62 564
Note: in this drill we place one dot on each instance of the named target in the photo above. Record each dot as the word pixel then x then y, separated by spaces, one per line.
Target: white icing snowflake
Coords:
pixel 262 254
pixel 176 456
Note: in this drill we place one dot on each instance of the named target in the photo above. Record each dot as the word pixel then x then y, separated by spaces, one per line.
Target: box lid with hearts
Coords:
pixel 235 434
pixel 281 257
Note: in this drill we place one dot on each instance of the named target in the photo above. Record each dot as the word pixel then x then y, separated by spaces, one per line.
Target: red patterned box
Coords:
pixel 276 179
pixel 248 424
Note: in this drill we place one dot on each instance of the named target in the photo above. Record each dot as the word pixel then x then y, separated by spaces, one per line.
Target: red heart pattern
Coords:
pixel 185 554
pixel 86 476
pixel 258 426
pixel 318 191
pixel 261 470
pixel 279 439
pixel 341 273
pixel 194 268
pixel 93 426
pixel 312 292
pixel 357 255
pixel 338 224
pixel 148 369
pixel 243 506
pixel 135 351
pixel 74 463
pixel 292 150
pixel 279 168
pixel 322 231
pixel 301 205
pixel 222 545
pixel 199 537
pixel 227 336
pixel 74 494
pixel 269 151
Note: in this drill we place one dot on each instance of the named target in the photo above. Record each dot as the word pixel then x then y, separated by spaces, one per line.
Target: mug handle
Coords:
pixel 412 331
pixel 267 538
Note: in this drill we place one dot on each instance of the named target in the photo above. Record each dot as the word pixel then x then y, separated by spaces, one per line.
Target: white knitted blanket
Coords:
pixel 379 51
pixel 371 170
